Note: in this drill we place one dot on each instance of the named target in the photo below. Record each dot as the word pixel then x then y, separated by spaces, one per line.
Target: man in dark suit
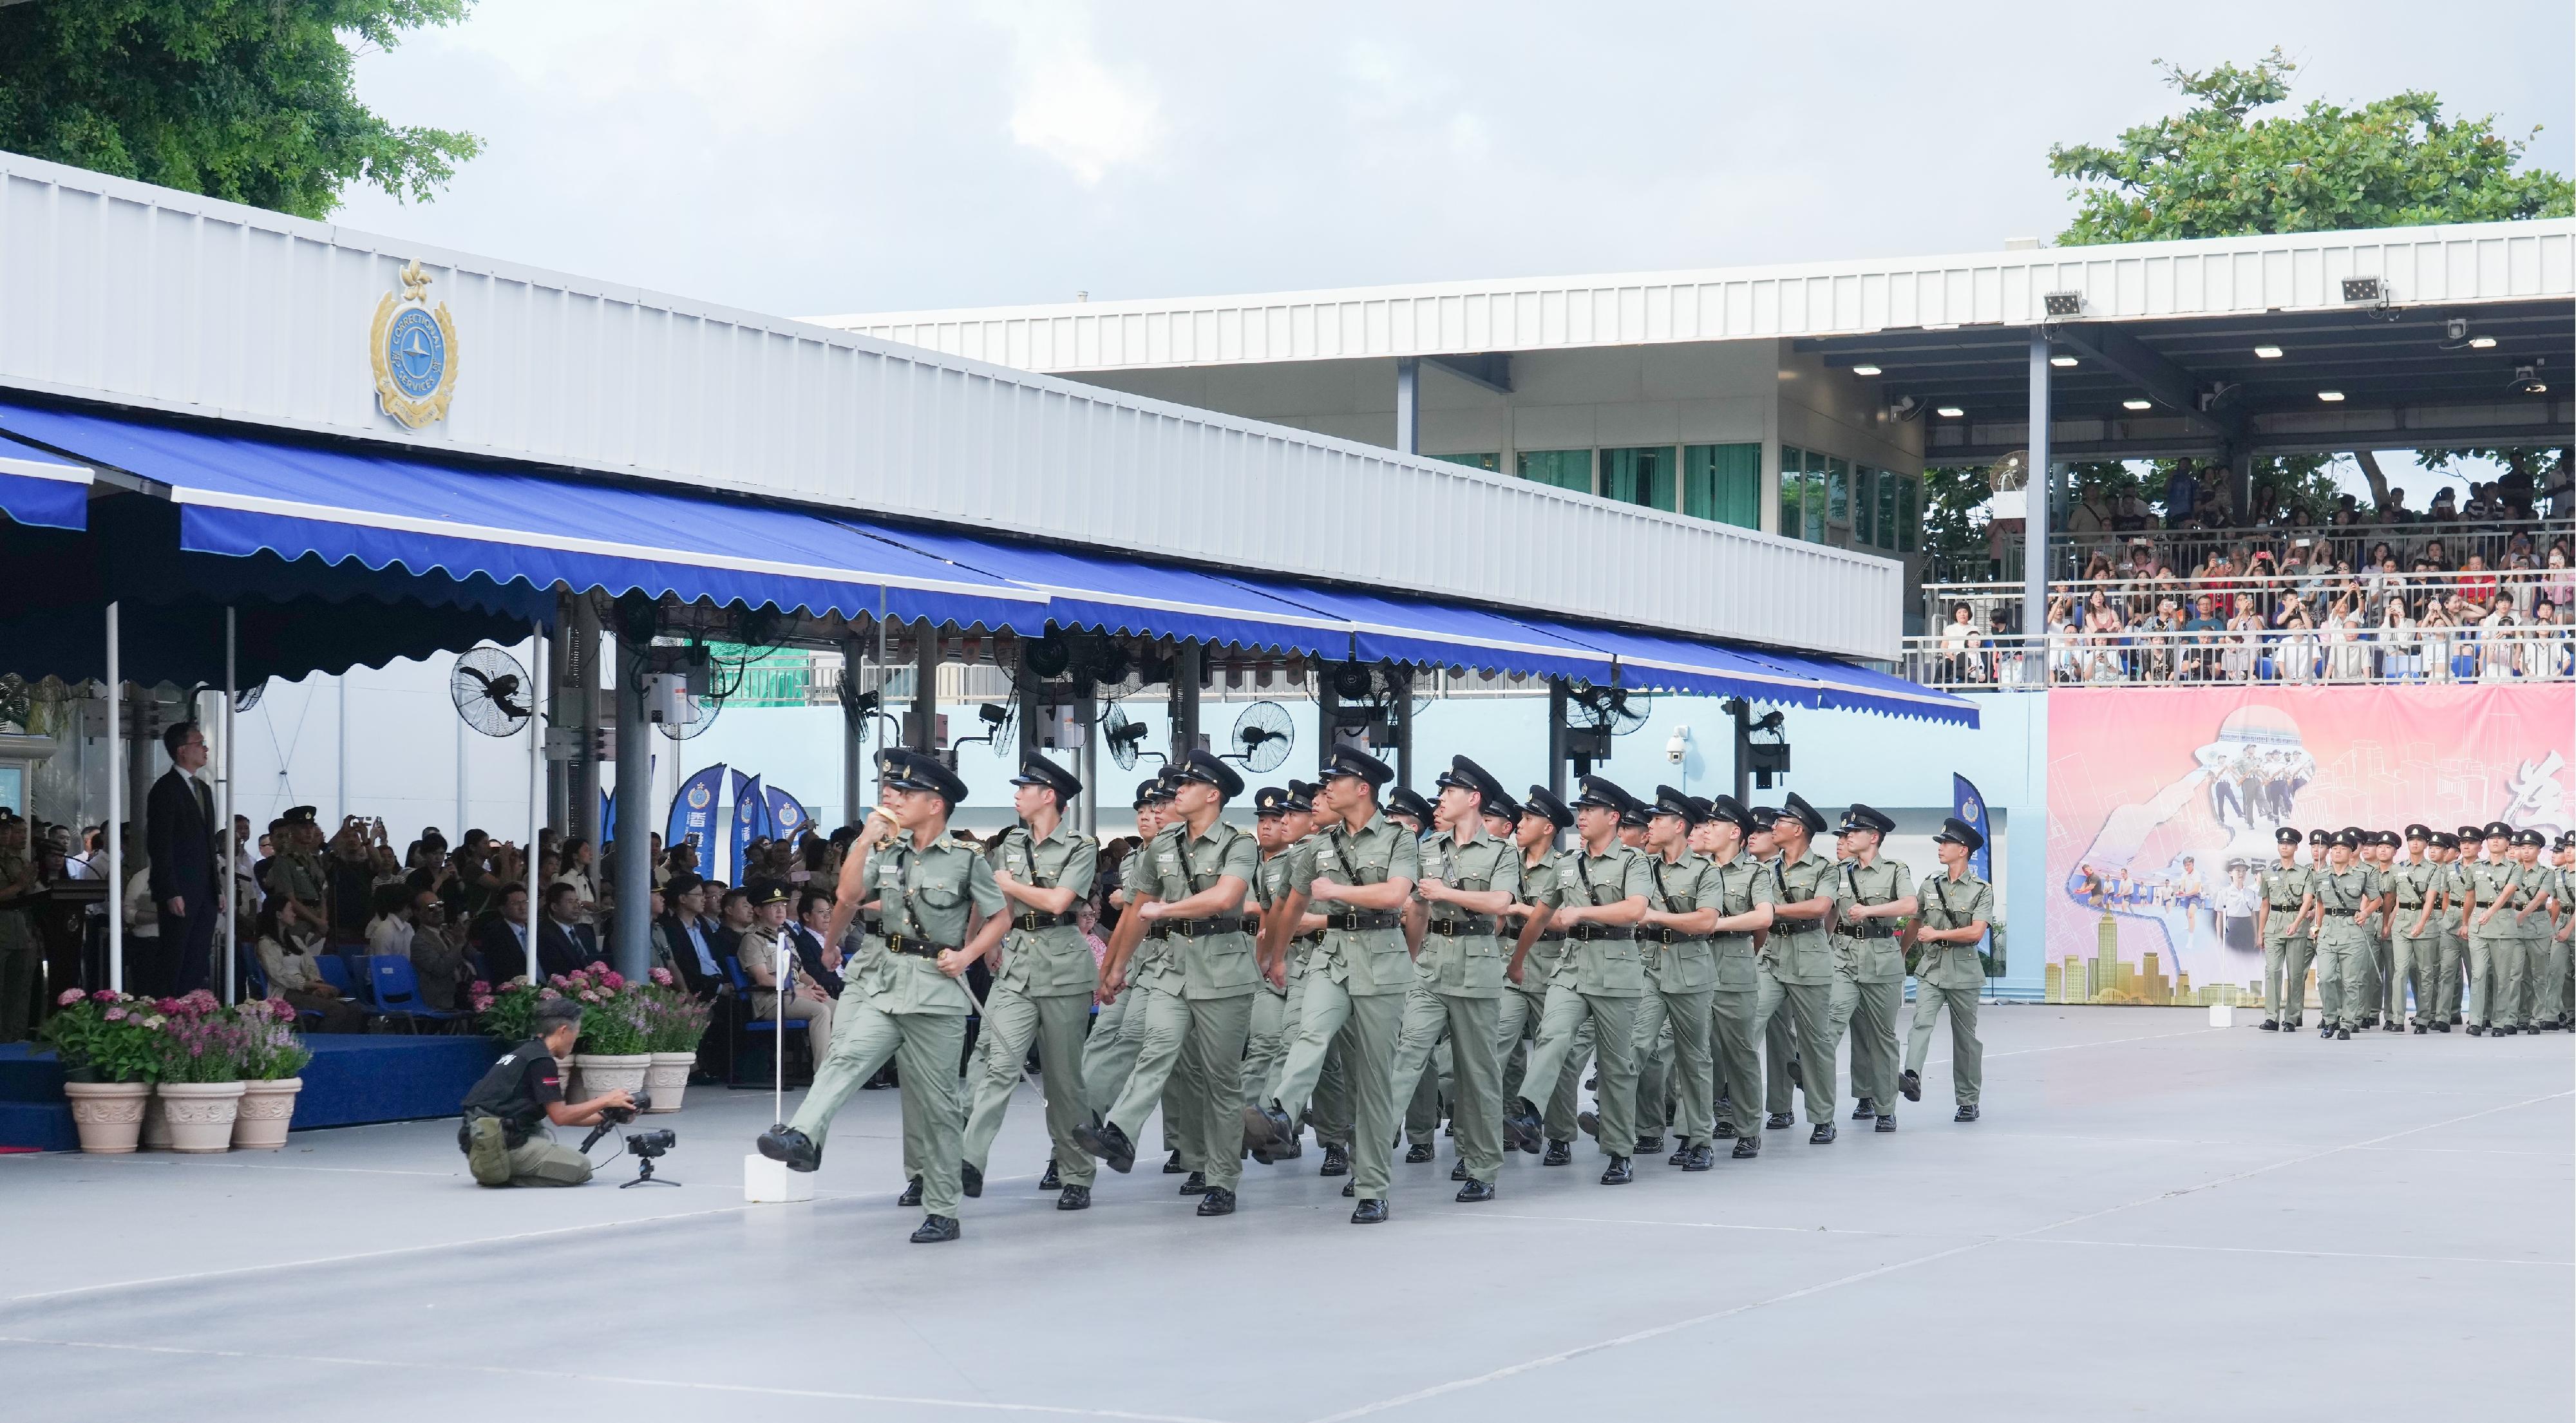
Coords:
pixel 179 838
pixel 564 942
pixel 501 937
pixel 698 948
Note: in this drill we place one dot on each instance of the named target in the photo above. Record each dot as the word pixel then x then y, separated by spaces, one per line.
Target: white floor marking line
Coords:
pixel 1658 1331
pixel 452 1367
pixel 2303 1254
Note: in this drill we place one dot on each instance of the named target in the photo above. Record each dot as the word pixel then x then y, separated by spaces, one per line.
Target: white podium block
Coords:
pixel 2222 1015
pixel 765 1181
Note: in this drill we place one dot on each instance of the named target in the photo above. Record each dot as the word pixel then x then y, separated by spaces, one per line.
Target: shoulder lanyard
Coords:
pixel 1942 899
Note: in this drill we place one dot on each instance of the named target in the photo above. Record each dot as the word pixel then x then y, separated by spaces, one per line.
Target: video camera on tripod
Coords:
pixel 643 1145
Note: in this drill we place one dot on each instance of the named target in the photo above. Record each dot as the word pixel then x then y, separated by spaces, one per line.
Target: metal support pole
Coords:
pixel 1404 733
pixel 557 809
pixel 115 806
pixel 540 673
pixel 228 926
pixel 925 686
pixel 1556 699
pixel 1741 713
pixel 1088 714
pixel 1408 405
pixel 2038 489
pixel 583 819
pixel 1026 714
pixel 854 753
pixel 1186 665
pixel 632 953
pixel 1328 715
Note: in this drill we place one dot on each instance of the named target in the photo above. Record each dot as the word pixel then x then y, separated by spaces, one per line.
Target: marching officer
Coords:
pixel 2562 942
pixel 1780 1075
pixel 2329 970
pixel 910 1005
pixel 1742 898
pixel 1871 894
pixel 1799 958
pixel 1295 944
pixel 2415 896
pixel 1274 831
pixel 1602 889
pixel 2459 847
pixel 2535 1008
pixel 1407 808
pixel 1676 943
pixel 2494 940
pixel 2281 892
pixel 1197 980
pixel 2342 902
pixel 1362 873
pixel 1044 988
pixel 1541 945
pixel 1469 877
pixel 1954 909
pixel 1110 1053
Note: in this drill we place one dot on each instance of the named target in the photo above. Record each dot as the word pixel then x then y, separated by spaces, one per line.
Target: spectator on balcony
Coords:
pixel 2164 641
pixel 2202 633
pixel 2297 658
pixel 1959 641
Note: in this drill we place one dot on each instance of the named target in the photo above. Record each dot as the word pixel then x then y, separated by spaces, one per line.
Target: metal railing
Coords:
pixel 2331 656
pixel 2273 597
pixel 2448 544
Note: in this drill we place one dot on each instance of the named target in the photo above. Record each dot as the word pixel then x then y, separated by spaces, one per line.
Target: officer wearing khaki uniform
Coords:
pixel 1602 888
pixel 2281 891
pixel 910 1005
pixel 1361 874
pixel 1954 909
pixel 1741 896
pixel 2494 938
pixel 2456 846
pixel 2342 902
pixel 1468 879
pixel 1871 892
pixel 1276 828
pixel 2535 1007
pixel 1110 1053
pixel 1043 990
pixel 2415 931
pixel 1540 947
pixel 1798 959
pixel 1676 940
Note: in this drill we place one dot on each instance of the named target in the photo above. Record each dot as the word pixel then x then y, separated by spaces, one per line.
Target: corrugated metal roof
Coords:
pixel 2455 265
pixel 120 292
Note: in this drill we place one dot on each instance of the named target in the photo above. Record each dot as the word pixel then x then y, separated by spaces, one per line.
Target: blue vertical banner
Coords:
pixel 787 815
pixel 693 813
pixel 1969 806
pixel 750 819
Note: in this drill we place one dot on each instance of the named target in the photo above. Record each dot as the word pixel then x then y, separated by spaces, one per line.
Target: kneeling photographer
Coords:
pixel 504 1113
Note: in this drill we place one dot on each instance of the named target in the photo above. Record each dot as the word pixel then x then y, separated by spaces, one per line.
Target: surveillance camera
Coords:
pixel 1677 749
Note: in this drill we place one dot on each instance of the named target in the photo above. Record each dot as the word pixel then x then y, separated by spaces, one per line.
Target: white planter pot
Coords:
pixel 668 1078
pixel 201 1114
pixel 156 1125
pixel 567 1068
pixel 109 1115
pixel 267 1109
pixel 601 1075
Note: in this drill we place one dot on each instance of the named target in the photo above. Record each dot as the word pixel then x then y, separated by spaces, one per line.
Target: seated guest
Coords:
pixel 501 936
pixel 437 951
pixel 816 960
pixel 389 928
pixel 565 939
pixel 757 952
pixel 286 960
pixel 696 957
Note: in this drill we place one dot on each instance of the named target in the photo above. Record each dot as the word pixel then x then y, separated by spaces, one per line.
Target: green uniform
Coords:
pixel 1196 979
pixel 2284 889
pixel 1042 995
pixel 1869 975
pixel 1264 1045
pixel 1329 1107
pixel 2415 959
pixel 1458 986
pixel 2555 948
pixel 1735 1048
pixel 1949 977
pixel 1681 972
pixel 2531 945
pixel 1598 983
pixel 2495 945
pixel 1356 982
pixel 1797 967
pixel 902 1007
pixel 1526 1005
pixel 2341 894
pixel 2454 971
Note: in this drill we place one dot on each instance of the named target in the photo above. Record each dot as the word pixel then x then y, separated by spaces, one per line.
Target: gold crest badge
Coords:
pixel 414 349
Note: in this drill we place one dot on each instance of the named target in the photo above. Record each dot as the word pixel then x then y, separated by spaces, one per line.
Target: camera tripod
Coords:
pixel 644 1175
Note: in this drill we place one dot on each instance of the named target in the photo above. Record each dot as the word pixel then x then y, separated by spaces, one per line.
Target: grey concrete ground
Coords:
pixel 2155 1219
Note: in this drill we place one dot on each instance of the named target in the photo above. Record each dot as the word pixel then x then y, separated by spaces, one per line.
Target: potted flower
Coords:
pixel 674 1020
pixel 107 1045
pixel 611 1052
pixel 509 1015
pixel 201 1087
pixel 273 1055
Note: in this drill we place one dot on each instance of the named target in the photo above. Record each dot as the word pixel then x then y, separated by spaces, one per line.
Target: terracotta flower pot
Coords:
pixel 201 1114
pixel 267 1109
pixel 602 1074
pixel 109 1115
pixel 668 1078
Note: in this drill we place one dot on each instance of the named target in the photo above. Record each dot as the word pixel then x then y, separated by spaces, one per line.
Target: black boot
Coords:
pixel 1369 1212
pixel 1217 1201
pixel 1967 1112
pixel 2271 1025
pixel 1703 1157
pixel 1050 1181
pixel 911 1193
pixel 1476 1192
pixel 1887 1123
pixel 1863 1109
pixel 1823 1135
pixel 1619 1173
pixel 934 1229
pixel 1590 1122
pixel 1746 1148
pixel 970 1178
pixel 1521 1126
pixel 1558 1153
pixel 1172 1164
pixel 1909 1083
pixel 1337 1160
pixel 1779 1121
pixel 1074 1198
pixel 1458 1172
pixel 1103 1139
pixel 1725 1130
pixel 1648 1146
pixel 1195 1185
pixel 1419 1154
pixel 786 1143
pixel 1681 1154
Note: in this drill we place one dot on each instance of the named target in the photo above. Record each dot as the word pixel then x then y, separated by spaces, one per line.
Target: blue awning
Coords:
pixel 1673 664
pixel 1392 628
pixel 1842 686
pixel 242 496
pixel 42 490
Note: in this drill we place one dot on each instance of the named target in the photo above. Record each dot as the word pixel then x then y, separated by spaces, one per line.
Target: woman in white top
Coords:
pixel 580 858
pixel 1959 641
pixel 2347 659
pixel 286 960
pixel 2497 644
pixel 2298 652
pixel 389 932
pixel 2399 657
pixel 2242 644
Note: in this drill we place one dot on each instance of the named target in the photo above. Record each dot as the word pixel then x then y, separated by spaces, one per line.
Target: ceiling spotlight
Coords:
pixel 2134 403
pixel 2062 362
pixel 2527 381
pixel 2063 303
pixel 2330 396
pixel 1948 412
pixel 2364 289
pixel 2267 353
pixel 2482 343
pixel 1864 370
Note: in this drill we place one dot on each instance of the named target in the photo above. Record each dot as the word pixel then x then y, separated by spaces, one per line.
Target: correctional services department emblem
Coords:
pixel 414 349
pixel 699 796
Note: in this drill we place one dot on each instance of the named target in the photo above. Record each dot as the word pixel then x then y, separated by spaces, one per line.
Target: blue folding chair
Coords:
pixel 747 1028
pixel 335 972
pixel 397 988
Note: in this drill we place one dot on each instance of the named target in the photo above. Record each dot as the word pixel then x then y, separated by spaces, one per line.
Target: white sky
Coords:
pixel 813 156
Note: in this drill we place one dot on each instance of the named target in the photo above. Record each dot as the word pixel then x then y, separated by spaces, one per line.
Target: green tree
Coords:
pixel 247 100
pixel 2214 171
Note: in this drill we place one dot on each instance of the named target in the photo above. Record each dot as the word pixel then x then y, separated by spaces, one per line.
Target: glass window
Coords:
pixel 1485 462
pixel 1792 481
pixel 1905 516
pixel 13 788
pixel 1723 483
pixel 1837 491
pixel 1814 486
pixel 1565 469
pixel 1887 509
pixel 1642 476
pixel 1864 489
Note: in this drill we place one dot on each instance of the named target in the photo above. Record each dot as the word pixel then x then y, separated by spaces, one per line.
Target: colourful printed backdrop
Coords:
pixel 2142 780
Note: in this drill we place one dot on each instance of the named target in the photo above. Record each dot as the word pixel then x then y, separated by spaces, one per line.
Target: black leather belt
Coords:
pixel 1587 933
pixel 1551 936
pixel 1212 925
pixel 1310 938
pixel 1032 920
pixel 1670 936
pixel 1463 925
pixel 1364 919
pixel 1794 928
pixel 915 948
pixel 1868 929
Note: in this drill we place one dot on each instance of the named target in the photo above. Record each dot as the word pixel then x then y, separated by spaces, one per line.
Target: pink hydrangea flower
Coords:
pixel 662 976
pixel 116 1015
pixel 69 997
pixel 589 997
pixel 611 980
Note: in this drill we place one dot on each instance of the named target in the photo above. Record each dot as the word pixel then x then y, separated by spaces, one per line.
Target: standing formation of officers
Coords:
pixel 2474 924
pixel 1363 964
